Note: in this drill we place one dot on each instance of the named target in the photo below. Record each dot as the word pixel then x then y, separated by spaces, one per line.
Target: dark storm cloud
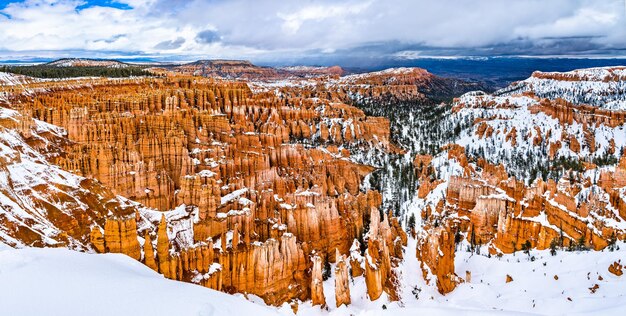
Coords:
pixel 207 37
pixel 173 44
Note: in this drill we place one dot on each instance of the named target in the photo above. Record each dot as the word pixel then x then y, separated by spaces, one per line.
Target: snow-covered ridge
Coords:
pixel 385 72
pixel 536 133
pixel 586 74
pixel 604 87
pixel 9 79
pixel 84 62
pixel 302 68
pixel 510 128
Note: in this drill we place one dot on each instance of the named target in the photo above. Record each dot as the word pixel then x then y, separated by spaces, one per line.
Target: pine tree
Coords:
pixel 611 242
pixel 526 247
pixel 411 223
pixel 327 270
pixel 553 245
pixel 473 238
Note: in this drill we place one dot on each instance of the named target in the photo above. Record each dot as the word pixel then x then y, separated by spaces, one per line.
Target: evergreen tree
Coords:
pixel 553 245
pixel 326 273
pixel 411 223
pixel 526 247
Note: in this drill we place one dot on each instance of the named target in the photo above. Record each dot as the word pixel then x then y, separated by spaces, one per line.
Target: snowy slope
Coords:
pixel 514 112
pixel 114 284
pixel 533 291
pixel 40 203
pixel 604 87
pixel 9 79
pixel 63 282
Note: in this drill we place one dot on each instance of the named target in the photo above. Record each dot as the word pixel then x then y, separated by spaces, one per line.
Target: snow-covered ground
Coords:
pixel 47 281
pixel 36 281
pixel 533 291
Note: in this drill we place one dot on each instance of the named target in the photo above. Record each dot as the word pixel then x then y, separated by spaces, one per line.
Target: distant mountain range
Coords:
pixel 496 72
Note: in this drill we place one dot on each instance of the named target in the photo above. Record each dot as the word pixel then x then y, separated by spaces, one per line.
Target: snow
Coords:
pixel 206 173
pixel 233 195
pixel 75 62
pixel 389 71
pixel 510 111
pixel 302 68
pixel 287 206
pixel 489 294
pixel 62 282
pixel 28 183
pixel 9 79
pixel 584 86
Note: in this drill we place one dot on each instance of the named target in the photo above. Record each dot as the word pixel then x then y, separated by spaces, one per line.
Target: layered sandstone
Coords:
pixel 317 287
pixel 120 236
pixel 381 248
pixel 342 283
pixel 435 251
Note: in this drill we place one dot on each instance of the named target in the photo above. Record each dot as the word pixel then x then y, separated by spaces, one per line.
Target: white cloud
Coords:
pixel 242 28
pixel 293 21
pixel 585 22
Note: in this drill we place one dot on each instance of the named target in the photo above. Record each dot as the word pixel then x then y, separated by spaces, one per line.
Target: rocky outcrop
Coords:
pixel 243 69
pixel 317 287
pixel 342 283
pixel 97 239
pixel 379 275
pixel 486 214
pixel 356 260
pixel 274 270
pixel 509 279
pixel 616 268
pixel 435 251
pixel 120 236
pixel 230 69
pixel 148 249
pixel 163 250
pixel 404 84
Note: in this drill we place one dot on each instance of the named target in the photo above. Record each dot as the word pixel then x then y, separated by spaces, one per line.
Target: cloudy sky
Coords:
pixel 266 30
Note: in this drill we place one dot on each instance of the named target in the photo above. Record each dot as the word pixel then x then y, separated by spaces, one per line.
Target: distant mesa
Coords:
pixel 225 68
pixel 312 71
pixel 87 62
pixel 243 69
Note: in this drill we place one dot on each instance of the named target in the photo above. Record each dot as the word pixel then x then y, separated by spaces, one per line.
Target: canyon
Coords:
pixel 277 183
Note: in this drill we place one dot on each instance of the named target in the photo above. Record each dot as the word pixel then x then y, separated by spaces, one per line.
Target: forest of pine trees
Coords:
pixel 45 71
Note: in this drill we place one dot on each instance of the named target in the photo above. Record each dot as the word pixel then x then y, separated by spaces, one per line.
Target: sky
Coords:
pixel 311 30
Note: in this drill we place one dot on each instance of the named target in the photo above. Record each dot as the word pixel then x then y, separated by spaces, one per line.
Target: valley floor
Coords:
pixel 36 281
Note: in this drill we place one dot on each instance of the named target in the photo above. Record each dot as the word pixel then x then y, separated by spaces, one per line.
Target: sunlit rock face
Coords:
pixel 436 254
pixel 536 166
pixel 213 183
